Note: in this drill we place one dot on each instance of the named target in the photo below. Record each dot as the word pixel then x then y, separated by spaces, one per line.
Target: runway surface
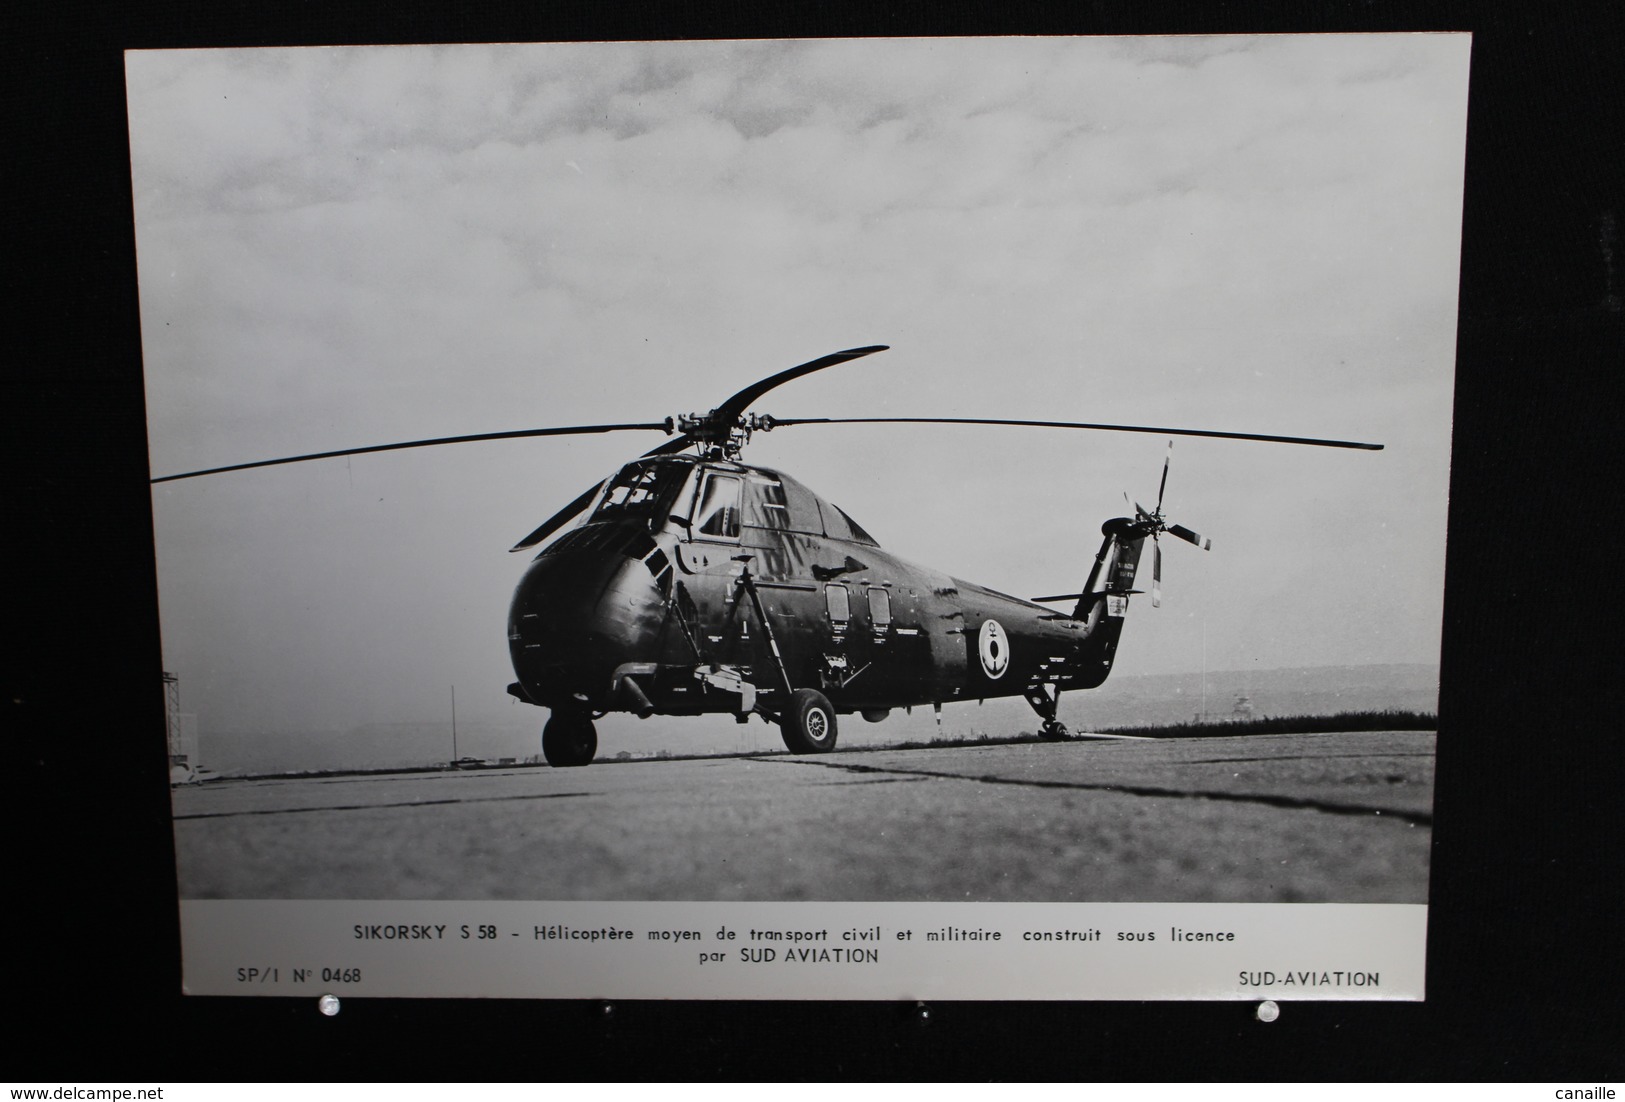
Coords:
pixel 1264 818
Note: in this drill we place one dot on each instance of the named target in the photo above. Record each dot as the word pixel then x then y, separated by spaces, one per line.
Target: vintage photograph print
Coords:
pixel 956 518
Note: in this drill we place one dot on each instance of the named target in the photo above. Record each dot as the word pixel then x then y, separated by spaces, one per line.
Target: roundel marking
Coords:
pixel 994 647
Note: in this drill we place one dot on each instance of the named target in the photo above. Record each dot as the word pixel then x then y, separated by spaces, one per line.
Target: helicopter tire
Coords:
pixel 1054 731
pixel 569 740
pixel 808 724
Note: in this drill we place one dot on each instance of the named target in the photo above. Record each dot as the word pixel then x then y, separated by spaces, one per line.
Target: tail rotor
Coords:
pixel 1152 522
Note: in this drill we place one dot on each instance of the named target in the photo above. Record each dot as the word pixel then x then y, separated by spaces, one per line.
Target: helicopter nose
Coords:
pixel 577 614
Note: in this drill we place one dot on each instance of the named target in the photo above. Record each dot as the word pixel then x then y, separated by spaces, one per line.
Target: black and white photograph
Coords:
pixel 936 471
pixel 1242 224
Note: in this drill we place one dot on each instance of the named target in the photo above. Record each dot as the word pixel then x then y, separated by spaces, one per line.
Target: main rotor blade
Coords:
pixel 670 447
pixel 779 422
pixel 571 430
pixel 559 519
pixel 729 410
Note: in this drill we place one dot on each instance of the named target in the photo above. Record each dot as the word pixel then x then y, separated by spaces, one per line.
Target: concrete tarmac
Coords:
pixel 1265 818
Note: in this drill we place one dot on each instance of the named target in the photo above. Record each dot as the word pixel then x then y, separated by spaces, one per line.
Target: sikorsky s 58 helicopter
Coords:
pixel 700 584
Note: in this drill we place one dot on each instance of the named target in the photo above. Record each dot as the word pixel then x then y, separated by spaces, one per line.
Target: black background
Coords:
pixel 1525 908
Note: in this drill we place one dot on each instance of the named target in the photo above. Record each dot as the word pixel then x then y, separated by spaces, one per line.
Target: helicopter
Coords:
pixel 693 583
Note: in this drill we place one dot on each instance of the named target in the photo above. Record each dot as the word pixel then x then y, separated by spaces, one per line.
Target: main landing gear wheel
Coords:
pixel 808 723
pixel 569 740
pixel 1053 730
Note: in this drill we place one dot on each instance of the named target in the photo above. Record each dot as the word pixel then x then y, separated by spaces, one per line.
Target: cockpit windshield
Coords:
pixel 642 491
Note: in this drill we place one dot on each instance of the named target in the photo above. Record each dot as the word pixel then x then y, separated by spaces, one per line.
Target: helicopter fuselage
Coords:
pixel 709 586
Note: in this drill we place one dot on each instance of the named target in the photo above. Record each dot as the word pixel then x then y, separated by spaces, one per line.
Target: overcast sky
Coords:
pixel 340 247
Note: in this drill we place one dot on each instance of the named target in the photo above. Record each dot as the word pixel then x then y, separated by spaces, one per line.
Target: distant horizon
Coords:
pixel 966 740
pixel 1115 679
pixel 1159 699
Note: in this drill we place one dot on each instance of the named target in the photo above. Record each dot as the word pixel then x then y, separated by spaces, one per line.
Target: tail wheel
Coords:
pixel 808 723
pixel 569 740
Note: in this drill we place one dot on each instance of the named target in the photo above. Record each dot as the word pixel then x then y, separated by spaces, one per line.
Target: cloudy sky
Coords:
pixel 341 247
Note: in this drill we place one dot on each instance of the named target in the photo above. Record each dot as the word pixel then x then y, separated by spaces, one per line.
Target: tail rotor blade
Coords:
pixel 1190 537
pixel 1156 575
pixel 1167 461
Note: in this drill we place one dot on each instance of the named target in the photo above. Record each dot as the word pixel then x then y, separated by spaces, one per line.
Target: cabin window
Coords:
pixel 719 507
pixel 880 610
pixel 840 604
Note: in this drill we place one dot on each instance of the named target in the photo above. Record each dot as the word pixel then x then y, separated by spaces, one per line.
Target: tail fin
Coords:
pixel 1104 600
pixel 1113 573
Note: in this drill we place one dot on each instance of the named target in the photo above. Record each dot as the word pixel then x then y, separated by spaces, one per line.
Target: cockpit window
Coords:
pixel 643 491
pixel 718 515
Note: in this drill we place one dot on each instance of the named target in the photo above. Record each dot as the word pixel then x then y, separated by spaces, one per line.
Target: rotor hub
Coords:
pixel 717 436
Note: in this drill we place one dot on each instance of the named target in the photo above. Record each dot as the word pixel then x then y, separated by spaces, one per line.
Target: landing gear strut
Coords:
pixel 1044 703
pixel 569 740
